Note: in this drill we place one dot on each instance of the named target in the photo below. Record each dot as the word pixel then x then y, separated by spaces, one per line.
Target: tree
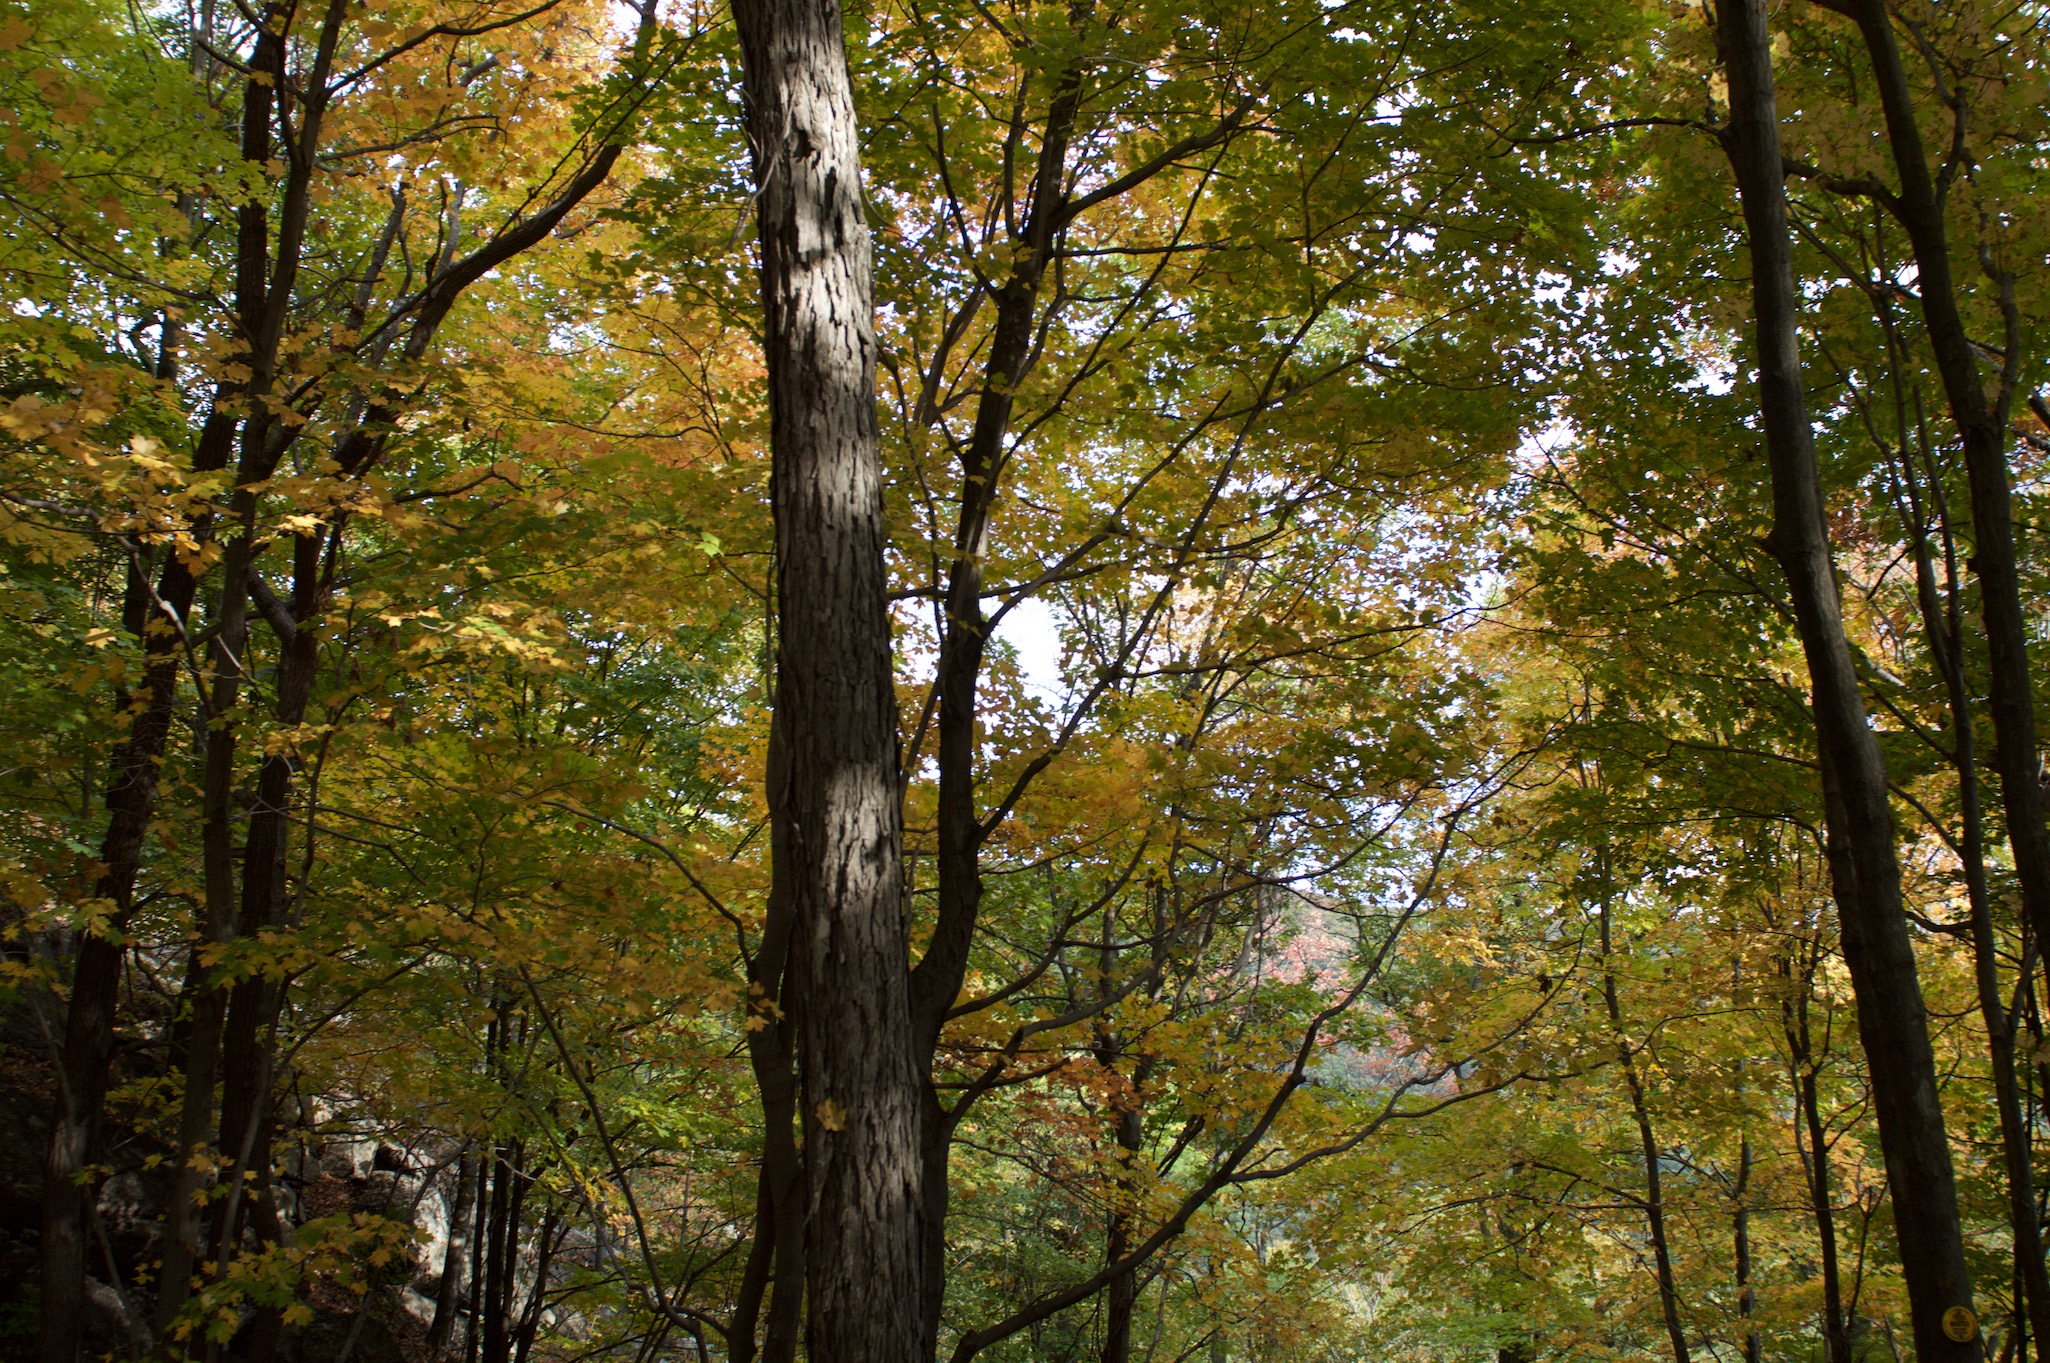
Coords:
pixel 835 798
pixel 1345 868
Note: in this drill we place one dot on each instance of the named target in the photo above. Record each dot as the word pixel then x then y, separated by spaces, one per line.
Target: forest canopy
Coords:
pixel 976 679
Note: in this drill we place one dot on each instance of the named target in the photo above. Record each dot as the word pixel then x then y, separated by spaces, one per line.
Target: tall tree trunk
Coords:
pixel 195 1129
pixel 248 1033
pixel 1982 428
pixel 1892 1023
pixel 964 640
pixel 1121 1296
pixel 835 698
pixel 481 1228
pixel 1128 1130
pixel 1943 629
pixel 511 1182
pixel 131 802
pixel 83 1073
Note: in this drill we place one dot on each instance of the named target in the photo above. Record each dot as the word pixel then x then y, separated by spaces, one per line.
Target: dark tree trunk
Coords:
pixel 505 1216
pixel 1647 1139
pixel 1740 1233
pixel 247 1035
pixel 1982 428
pixel 131 802
pixel 1892 1023
pixel 546 1243
pixel 481 1228
pixel 1836 1345
pixel 1942 626
pixel 836 703
pixel 1121 1296
pixel 964 640
pixel 775 1266
pixel 88 1053
pixel 195 1124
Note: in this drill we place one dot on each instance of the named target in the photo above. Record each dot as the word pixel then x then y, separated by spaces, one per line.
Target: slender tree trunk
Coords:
pixel 264 1335
pixel 835 696
pixel 1654 1193
pixel 224 1031
pixel 253 1003
pixel 1740 1232
pixel 936 982
pixel 480 1231
pixel 1815 1155
pixel 209 1005
pixel 1943 630
pixel 455 1259
pixel 1121 1296
pixel 775 1267
pixel 183 1220
pixel 267 257
pixel 1982 428
pixel 84 1071
pixel 265 299
pixel 537 1299
pixel 501 1253
pixel 1892 1022
pixel 1128 1130
pixel 131 803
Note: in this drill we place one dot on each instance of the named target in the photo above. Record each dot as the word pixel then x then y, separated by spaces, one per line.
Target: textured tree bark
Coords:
pixel 1892 1023
pixel 835 697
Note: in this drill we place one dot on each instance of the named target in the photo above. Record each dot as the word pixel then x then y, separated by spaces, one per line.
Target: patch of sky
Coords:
pixel 1032 630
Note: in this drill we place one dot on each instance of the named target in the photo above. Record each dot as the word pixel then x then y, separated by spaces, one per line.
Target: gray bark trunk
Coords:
pixel 455 1260
pixel 836 701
